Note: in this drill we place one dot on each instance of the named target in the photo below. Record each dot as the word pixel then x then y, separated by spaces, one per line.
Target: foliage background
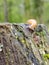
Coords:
pixel 21 10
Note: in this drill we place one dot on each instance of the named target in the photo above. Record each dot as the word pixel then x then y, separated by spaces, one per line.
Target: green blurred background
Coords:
pixel 21 10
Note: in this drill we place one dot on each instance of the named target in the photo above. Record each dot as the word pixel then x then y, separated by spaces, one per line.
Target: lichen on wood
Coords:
pixel 22 46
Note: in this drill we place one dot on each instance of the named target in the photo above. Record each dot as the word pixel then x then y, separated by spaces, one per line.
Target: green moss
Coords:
pixel 46 56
